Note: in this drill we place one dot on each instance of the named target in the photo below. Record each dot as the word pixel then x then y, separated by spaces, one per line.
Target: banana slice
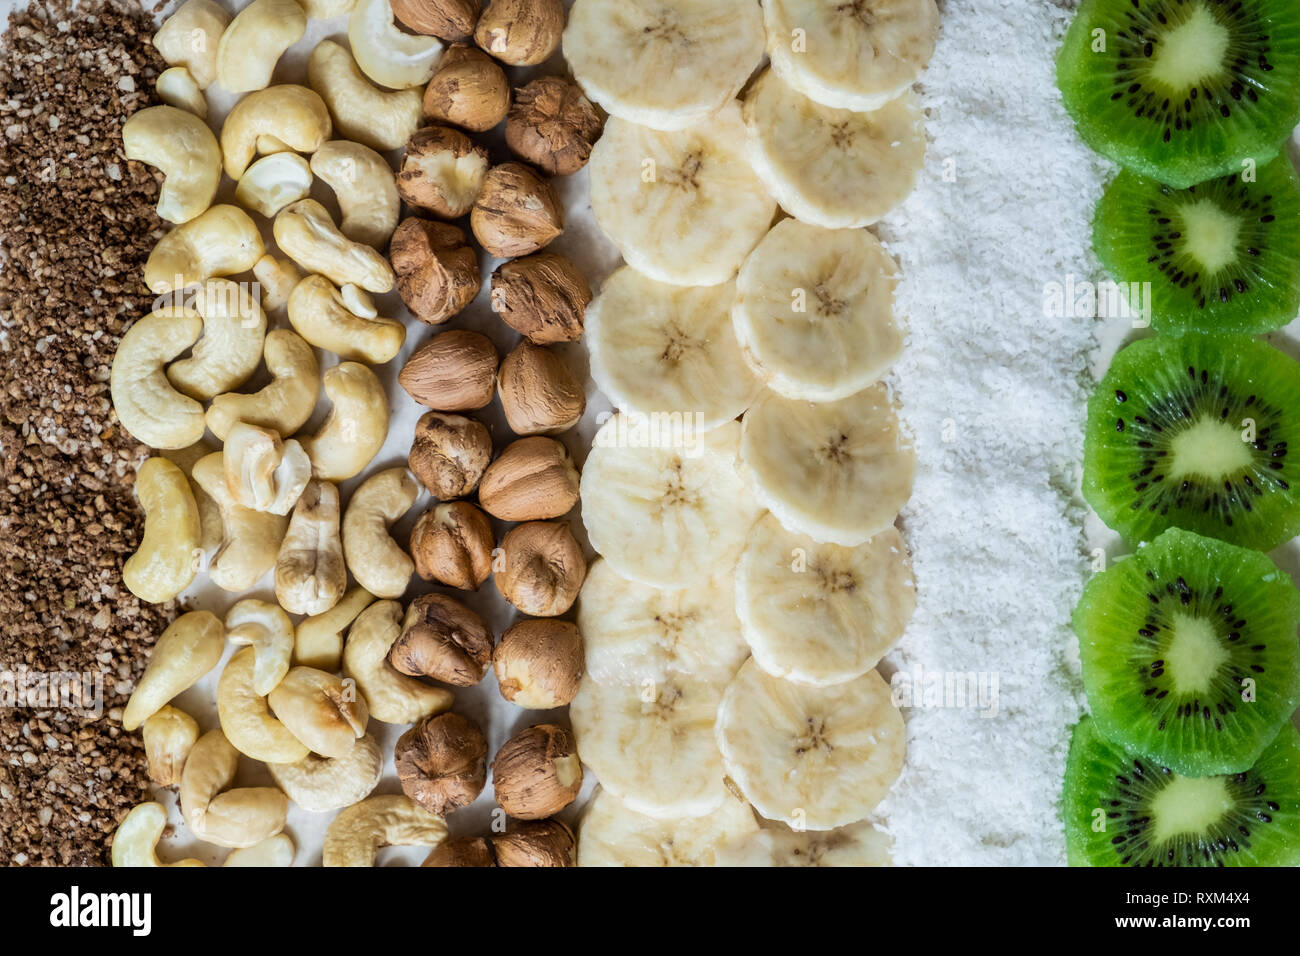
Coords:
pixel 612 835
pixel 635 634
pixel 829 167
pixel 668 348
pixel 820 613
pixel 664 504
pixel 815 758
pixel 836 471
pixel 855 55
pixel 857 845
pixel 814 311
pixel 683 207
pixel 666 64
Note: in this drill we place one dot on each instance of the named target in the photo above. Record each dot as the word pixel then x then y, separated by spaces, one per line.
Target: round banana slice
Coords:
pixel 821 613
pixel 633 633
pixel 668 348
pixel 815 758
pixel 612 835
pixel 666 505
pixel 836 471
pixel 814 311
pixel 856 55
pixel 857 845
pixel 682 207
pixel 666 64
pixel 833 168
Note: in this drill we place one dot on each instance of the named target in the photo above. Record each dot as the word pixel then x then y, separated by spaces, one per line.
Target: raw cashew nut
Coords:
pixel 268 630
pixel 234 327
pixel 246 718
pixel 356 427
pixel 276 851
pixel 386 53
pixel 209 514
pixel 254 42
pixel 320 784
pixel 168 557
pixel 250 539
pixel 286 116
pixel 181 145
pixel 190 38
pixel 394 698
pixel 242 817
pixel 319 314
pixel 274 182
pixel 322 710
pixel 365 187
pixel 318 640
pixel 278 278
pixel 262 472
pixel 307 235
pixel 377 561
pixel 381 119
pixel 360 831
pixel 168 737
pixel 190 647
pixel 138 834
pixel 310 574
pixel 328 9
pixel 177 87
pixel 223 241
pixel 148 406
pixel 286 403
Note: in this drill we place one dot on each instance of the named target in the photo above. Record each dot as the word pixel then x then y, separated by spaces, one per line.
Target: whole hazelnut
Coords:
pixel 462 851
pixel 454 371
pixel 452 543
pixel 517 212
pixel 520 32
pixel 532 478
pixel 468 90
pixel 437 271
pixel 539 394
pixel 449 454
pixel 445 19
pixel 443 639
pixel 539 664
pixel 541 568
pixel 536 773
pixel 442 171
pixel 553 126
pixel 442 762
pixel 543 297
pixel 535 843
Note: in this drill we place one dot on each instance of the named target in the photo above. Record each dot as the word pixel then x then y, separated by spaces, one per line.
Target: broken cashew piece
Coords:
pixel 177 87
pixel 361 830
pixel 310 573
pixel 168 737
pixel 318 640
pixel 191 37
pixel 254 42
pixel 322 710
pixel 250 539
pixel 223 241
pixel 263 472
pixel 276 851
pixel 145 402
pixel 377 561
pixel 393 697
pixel 247 719
pixel 356 426
pixel 282 117
pixel 274 182
pixel 267 629
pixel 286 403
pixel 179 144
pixel 168 557
pixel 307 235
pixel 236 818
pixel 234 327
pixel 190 647
pixel 365 187
pixel 385 52
pixel 320 314
pixel 136 838
pixel 381 119
pixel 320 784
pixel 278 278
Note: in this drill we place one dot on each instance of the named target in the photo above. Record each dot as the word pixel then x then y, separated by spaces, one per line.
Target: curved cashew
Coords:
pixel 190 38
pixel 381 119
pixel 377 561
pixel 318 640
pixel 286 403
pixel 320 709
pixel 168 737
pixel 246 718
pixel 310 574
pixel 356 427
pixel 274 182
pixel 263 472
pixel 145 402
pixel 242 817
pixel 209 514
pixel 270 120
pixel 221 242
pixel 365 187
pixel 320 315
pixel 190 647
pixel 276 851
pixel 254 42
pixel 234 327
pixel 177 87
pixel 137 835
pixel 268 630
pixel 394 698
pixel 360 831
pixel 307 235
pixel 167 559
pixel 181 145
pixel 327 9
pixel 250 539
pixel 320 784
pixel 387 54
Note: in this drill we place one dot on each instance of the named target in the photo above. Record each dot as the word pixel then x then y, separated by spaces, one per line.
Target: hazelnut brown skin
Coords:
pixel 443 639
pixel 449 454
pixel 538 393
pixel 437 271
pixel 535 843
pixel 539 664
pixel 442 762
pixel 533 478
pixel 543 297
pixel 445 19
pixel 520 32
pixel 454 371
pixel 517 212
pixel 553 126
pixel 536 773
pixel 462 851
pixel 468 90
pixel 452 543
pixel 543 568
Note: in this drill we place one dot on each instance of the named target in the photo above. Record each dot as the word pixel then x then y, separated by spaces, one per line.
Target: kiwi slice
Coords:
pixel 1124 810
pixel 1183 90
pixel 1193 432
pixel 1223 256
pixel 1189 652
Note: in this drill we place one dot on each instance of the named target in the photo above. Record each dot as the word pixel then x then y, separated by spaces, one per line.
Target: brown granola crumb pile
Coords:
pixel 76 225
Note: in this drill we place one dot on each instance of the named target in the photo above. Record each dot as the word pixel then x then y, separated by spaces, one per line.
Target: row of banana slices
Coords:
pixel 750 577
